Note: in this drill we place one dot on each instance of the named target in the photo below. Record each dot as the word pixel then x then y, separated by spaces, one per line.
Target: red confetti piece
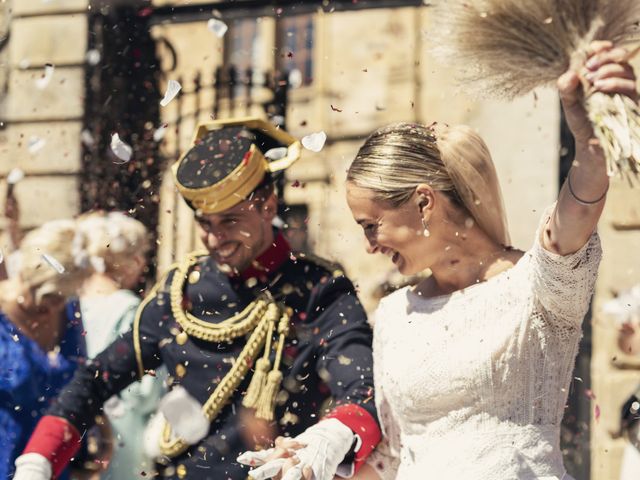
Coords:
pixel 596 412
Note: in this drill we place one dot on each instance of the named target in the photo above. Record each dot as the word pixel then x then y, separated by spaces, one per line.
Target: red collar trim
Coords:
pixel 270 260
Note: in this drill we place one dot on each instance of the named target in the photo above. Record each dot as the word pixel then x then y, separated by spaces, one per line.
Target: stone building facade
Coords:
pixel 354 71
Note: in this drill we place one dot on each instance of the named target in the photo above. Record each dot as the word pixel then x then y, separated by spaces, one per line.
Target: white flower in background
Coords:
pixel 55 264
pixel 120 149
pixel 35 144
pixel 218 27
pixel 314 141
pixel 44 80
pixel 173 88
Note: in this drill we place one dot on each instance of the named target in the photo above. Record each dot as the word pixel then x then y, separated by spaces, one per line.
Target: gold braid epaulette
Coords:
pixel 259 318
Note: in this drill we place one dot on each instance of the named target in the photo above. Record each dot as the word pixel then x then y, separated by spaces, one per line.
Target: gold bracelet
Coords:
pixel 581 201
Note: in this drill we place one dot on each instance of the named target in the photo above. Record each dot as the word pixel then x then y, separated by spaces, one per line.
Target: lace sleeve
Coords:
pixel 386 457
pixel 564 284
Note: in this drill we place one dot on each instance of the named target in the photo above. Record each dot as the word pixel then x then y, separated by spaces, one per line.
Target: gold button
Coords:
pixel 182 338
pixel 194 276
pixel 181 471
pixel 180 370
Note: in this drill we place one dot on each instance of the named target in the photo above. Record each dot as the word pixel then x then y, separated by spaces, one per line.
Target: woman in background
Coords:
pixel 115 246
pixel 41 339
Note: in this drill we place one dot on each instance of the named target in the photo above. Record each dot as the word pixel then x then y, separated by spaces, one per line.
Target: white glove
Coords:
pixel 325 446
pixel 184 414
pixel 32 466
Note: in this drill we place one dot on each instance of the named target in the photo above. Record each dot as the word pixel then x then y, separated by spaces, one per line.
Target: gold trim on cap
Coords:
pixel 245 177
pixel 230 190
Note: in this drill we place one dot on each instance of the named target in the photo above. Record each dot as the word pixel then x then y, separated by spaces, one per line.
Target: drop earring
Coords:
pixel 426 231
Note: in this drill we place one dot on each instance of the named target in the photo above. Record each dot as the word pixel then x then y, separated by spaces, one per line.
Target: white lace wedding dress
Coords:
pixel 473 385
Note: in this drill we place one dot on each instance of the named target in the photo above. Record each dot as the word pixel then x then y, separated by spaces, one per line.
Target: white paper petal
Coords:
pixel 15 175
pixel 120 149
pixel 276 153
pixel 55 264
pixel 314 141
pixel 295 78
pixel 86 138
pixel 36 144
pixel 93 57
pixel 1 256
pixel 43 81
pixel 184 414
pixel 24 64
pixel 160 132
pixel 218 27
pixel 173 88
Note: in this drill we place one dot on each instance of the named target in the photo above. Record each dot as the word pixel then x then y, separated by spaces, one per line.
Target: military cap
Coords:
pixel 228 159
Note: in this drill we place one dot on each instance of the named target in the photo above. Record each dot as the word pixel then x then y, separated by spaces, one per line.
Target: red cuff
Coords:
pixel 55 439
pixel 362 424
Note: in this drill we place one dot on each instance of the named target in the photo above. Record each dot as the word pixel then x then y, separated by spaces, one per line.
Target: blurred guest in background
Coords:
pixel 40 333
pixel 626 310
pixel 114 247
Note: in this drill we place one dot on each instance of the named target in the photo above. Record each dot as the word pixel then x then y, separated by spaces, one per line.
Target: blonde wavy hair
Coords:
pixel 397 158
pixel 46 261
pixel 108 240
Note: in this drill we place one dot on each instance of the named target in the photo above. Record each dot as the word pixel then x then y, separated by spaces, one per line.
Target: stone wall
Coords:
pixel 44 33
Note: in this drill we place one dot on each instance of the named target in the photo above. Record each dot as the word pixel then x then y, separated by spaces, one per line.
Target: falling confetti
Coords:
pixel 15 175
pixel 36 144
pixel 172 90
pixel 295 78
pixel 86 138
pixel 93 57
pixel 596 412
pixel 314 141
pixel 1 256
pixel 55 264
pixel 44 80
pixel 218 27
pixel 276 153
pixel 160 132
pixel 120 149
pixel 336 109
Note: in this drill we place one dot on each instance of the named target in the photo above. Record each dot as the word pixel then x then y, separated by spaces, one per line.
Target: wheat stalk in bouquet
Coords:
pixel 506 48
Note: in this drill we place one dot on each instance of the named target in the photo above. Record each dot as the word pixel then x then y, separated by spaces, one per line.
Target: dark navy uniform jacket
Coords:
pixel 327 361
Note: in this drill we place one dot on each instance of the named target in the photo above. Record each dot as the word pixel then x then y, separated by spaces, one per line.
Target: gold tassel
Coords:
pixel 259 378
pixel 267 403
pixel 257 383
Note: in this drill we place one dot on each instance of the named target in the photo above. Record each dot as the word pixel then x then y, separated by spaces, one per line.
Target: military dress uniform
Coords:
pixel 286 339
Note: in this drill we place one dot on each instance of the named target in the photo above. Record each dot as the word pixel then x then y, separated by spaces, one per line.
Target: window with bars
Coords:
pixel 295 48
pixel 240 52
